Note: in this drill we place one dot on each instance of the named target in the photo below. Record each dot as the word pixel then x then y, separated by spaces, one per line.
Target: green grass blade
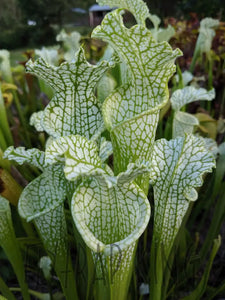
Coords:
pixel 4 125
pixel 199 291
pixel 6 291
pixel 10 245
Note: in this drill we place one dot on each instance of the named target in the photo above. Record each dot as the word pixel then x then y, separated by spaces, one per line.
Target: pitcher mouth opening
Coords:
pixel 127 238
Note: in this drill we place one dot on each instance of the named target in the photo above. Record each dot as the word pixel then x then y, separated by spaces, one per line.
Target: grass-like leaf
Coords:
pixel 200 289
pixel 5 67
pixel 10 245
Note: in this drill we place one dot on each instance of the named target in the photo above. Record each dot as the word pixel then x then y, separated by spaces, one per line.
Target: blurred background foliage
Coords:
pixel 20 19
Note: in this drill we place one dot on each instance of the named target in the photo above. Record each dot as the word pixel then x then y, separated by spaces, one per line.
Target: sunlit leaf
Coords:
pixel 43 194
pixel 106 209
pixel 105 86
pixel 133 171
pixel 82 160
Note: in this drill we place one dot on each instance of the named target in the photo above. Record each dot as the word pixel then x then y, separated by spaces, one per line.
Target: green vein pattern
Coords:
pixel 137 7
pixel 74 108
pixel 33 156
pixel 131 112
pixel 110 221
pixel 177 169
pixel 106 209
pixel 184 122
pixel 42 201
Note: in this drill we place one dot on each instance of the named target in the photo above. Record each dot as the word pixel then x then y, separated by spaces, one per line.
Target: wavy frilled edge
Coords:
pixel 177 169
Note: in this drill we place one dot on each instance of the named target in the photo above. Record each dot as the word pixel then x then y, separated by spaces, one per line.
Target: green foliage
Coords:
pixel 10 15
pixel 203 8
pixel 45 11
pixel 101 166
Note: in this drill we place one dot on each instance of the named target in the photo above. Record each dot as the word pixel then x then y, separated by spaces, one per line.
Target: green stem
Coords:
pixel 22 119
pixel 223 100
pixel 4 122
pixel 210 73
pixel 3 144
pixel 179 72
pixel 6 291
pixel 108 270
pixel 216 222
pixel 217 291
pixel 11 248
pixel 156 271
pixel 41 296
pixel 194 59
pixel 11 189
pixel 57 249
pixel 180 235
pixel 4 163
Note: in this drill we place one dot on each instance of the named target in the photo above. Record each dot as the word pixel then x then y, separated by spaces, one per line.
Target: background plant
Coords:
pixel 36 158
